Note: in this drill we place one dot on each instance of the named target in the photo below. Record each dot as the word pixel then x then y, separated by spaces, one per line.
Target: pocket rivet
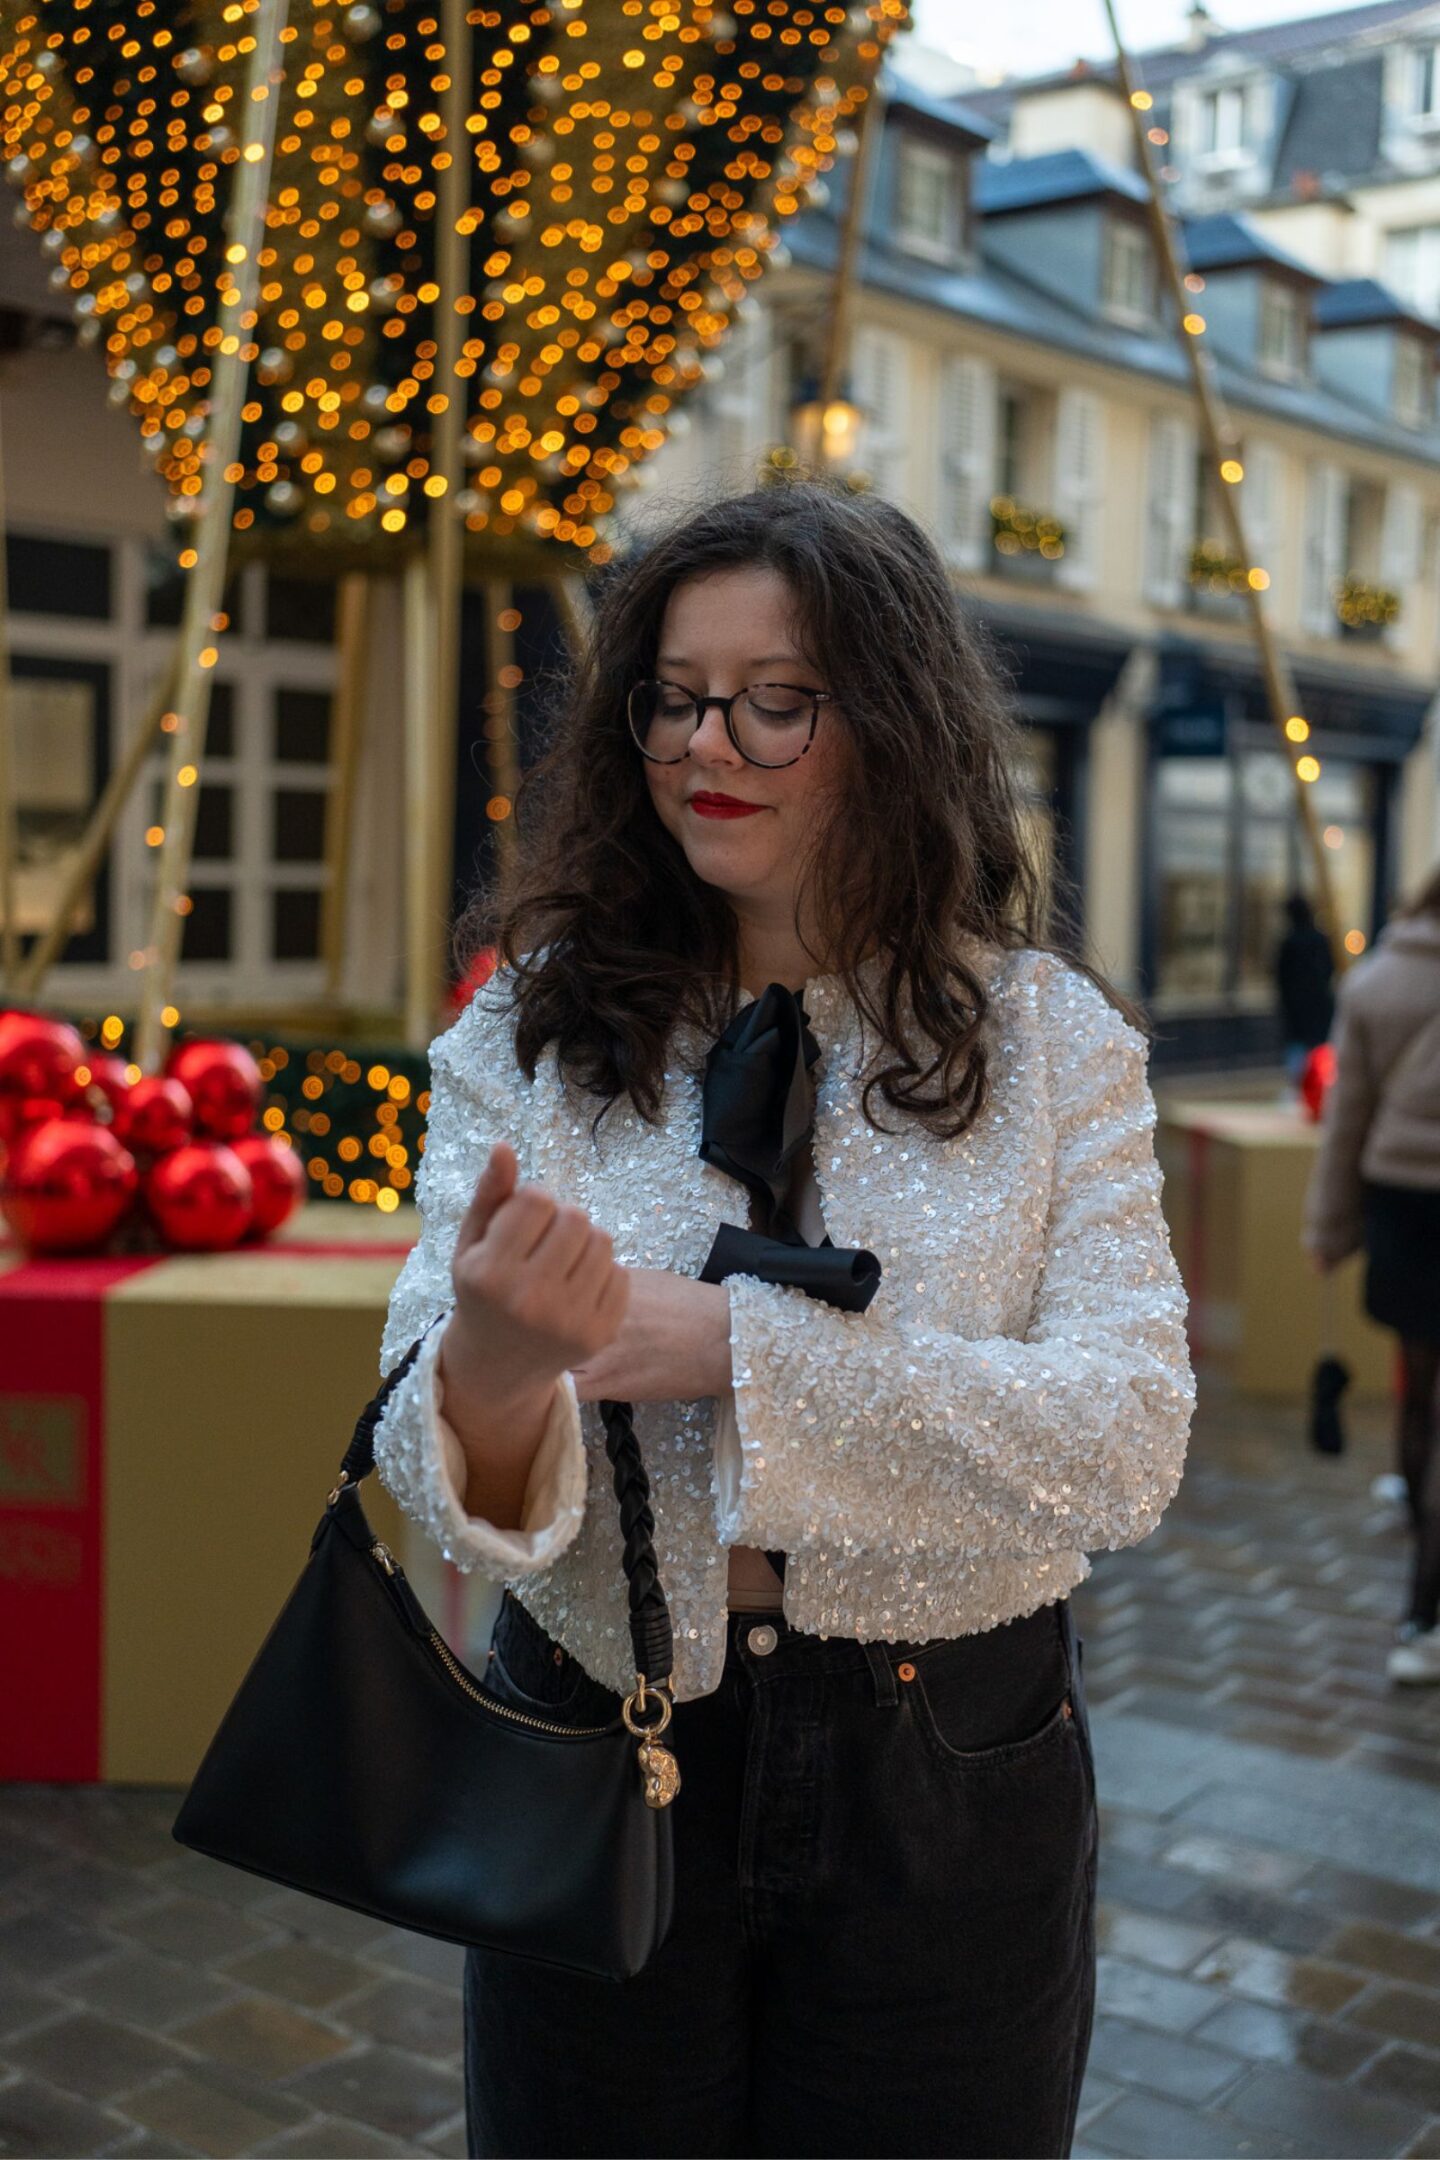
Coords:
pixel 906 1671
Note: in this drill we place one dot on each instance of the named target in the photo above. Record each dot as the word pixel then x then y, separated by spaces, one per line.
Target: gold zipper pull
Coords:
pixel 386 1558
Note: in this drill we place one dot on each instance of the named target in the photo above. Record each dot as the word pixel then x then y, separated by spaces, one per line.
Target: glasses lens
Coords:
pixel 772 722
pixel 662 719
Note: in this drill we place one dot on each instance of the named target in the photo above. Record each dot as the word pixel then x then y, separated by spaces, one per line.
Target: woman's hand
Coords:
pixel 536 1290
pixel 673 1344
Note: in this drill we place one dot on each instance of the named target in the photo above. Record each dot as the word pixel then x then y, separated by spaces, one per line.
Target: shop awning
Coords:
pixel 1355 711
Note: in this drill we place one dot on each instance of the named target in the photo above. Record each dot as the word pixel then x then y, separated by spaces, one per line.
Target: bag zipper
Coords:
pixel 385 1559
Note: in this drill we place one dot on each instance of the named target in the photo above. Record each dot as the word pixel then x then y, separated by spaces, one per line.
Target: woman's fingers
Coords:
pixel 494 1185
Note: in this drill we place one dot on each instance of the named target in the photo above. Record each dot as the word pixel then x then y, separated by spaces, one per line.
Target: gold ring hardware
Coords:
pixel 637 1697
pixel 386 1558
pixel 337 1488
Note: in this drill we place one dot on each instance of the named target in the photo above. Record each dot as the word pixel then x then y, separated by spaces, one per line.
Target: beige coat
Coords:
pixel 1382 1116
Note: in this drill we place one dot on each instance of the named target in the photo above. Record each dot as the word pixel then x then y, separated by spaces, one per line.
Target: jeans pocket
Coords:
pixel 995 1699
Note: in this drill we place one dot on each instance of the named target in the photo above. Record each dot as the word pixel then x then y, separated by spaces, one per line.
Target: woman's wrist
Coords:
pixel 722 1374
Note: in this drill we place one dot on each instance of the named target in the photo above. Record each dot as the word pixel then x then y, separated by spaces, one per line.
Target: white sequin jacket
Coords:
pixel 1017 1394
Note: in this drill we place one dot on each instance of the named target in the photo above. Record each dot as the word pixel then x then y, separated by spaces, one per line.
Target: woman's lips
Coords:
pixel 702 808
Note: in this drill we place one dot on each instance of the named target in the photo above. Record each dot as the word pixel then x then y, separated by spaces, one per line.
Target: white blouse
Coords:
pixel 1017 1394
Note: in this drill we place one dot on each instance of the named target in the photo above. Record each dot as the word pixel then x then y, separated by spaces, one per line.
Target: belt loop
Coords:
pixel 883 1673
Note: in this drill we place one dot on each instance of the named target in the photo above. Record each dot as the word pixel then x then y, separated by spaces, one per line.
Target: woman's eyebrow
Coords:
pixel 769 660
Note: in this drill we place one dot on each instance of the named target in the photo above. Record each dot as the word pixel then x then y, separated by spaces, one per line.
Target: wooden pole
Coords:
pixel 575 609
pixel 837 340
pixel 88 856
pixel 205 586
pixel 503 750
pixel 1220 443
pixel 9 783
pixel 422 932
pixel 352 633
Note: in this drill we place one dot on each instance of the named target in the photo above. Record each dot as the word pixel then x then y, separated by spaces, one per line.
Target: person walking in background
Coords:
pixel 1305 980
pixel 1377 1184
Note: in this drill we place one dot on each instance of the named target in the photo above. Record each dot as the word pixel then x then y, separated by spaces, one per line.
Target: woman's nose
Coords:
pixel 710 743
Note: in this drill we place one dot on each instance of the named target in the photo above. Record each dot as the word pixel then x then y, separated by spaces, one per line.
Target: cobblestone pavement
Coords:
pixel 1270 1882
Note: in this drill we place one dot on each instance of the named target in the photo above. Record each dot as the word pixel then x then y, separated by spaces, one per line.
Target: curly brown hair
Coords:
pixel 613 939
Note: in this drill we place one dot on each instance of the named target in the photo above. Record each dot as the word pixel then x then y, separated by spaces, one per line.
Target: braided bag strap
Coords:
pixel 650 1629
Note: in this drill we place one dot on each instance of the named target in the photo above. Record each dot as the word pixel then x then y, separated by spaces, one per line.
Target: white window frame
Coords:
pixel 1127 272
pixel 1418 284
pixel 1413 383
pixel 255 667
pixel 1220 148
pixel 1422 84
pixel 1283 305
pixel 929 179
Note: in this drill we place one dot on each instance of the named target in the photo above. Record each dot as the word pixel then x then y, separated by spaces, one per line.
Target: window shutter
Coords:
pixel 1079 459
pixel 880 372
pixel 1170 516
pixel 1401 550
pixel 1325 505
pixel 967 458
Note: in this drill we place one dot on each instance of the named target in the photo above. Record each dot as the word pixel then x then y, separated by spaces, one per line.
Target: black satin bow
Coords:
pixel 758 1112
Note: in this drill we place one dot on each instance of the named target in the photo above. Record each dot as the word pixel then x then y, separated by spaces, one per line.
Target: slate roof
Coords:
pixel 1055 176
pixel 1281 43
pixel 998 299
pixel 1366 300
pixel 1222 240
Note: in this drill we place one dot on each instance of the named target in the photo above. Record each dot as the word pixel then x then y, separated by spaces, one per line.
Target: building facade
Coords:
pixel 1025 397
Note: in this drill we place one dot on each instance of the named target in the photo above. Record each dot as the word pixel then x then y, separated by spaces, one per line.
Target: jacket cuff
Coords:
pixel 554 1502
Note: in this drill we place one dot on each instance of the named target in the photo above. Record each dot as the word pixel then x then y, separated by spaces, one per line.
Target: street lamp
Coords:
pixel 825 431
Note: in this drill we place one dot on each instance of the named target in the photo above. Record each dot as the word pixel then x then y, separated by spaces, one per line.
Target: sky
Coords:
pixel 1032 36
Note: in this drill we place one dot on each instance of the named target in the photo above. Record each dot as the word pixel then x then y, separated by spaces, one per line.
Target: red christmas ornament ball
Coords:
pixel 201 1196
pixel 38 1062
pixel 67 1183
pixel 278 1176
pixel 223 1082
pixel 110 1080
pixel 155 1115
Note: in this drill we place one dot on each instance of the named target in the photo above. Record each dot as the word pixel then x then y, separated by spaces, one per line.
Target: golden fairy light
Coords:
pixel 628 166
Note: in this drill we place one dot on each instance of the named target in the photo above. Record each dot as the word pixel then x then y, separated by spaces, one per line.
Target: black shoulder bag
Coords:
pixel 362 1762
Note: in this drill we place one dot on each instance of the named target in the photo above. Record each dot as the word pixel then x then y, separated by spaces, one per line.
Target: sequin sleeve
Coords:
pixel 477 1096
pixel 858 1431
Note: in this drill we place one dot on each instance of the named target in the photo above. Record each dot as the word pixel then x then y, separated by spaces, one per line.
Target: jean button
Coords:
pixel 762 1640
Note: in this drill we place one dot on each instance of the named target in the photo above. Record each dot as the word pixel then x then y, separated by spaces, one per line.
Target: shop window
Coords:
pixel 299 825
pixel 165 585
pixel 301 609
pixel 207 933
pixel 302 726
pixel 57 577
pixel 1192 849
pixel 295 924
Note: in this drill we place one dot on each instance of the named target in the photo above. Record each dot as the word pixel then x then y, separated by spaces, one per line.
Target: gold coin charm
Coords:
pixel 661 1773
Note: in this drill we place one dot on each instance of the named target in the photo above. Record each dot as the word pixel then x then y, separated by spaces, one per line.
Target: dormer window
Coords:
pixel 1281 349
pixel 1226 124
pixel 1128 272
pixel 1413 383
pixel 1412 265
pixel 931 205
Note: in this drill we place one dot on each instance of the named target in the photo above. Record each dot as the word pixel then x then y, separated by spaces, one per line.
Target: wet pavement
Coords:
pixel 1270 1884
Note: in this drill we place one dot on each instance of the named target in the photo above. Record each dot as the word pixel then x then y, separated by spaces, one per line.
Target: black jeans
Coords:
pixel 884 1933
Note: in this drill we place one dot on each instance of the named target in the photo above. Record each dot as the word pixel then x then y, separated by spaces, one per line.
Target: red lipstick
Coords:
pixel 705 804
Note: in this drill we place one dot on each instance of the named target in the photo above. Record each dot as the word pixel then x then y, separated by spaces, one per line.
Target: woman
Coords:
pixel 867 1522
pixel 1377 1185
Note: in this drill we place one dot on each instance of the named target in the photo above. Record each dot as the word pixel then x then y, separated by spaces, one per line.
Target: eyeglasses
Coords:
pixel 769 723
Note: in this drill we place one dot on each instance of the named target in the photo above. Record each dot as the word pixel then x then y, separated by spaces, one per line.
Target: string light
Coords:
pixel 1297 729
pixel 1231 470
pixel 1333 836
pixel 1355 942
pixel 1193 324
pixel 1308 768
pixel 622 197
